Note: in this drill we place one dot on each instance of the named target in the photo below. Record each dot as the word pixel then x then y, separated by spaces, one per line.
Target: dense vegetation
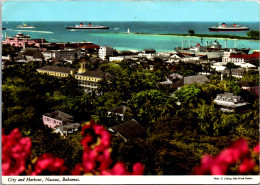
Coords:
pixel 181 126
pixel 251 35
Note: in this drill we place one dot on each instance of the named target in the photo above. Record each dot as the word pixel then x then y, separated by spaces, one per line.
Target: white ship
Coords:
pixel 25 26
pixel 89 26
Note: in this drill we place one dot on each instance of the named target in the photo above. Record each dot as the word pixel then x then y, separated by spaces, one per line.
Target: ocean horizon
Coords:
pixel 117 37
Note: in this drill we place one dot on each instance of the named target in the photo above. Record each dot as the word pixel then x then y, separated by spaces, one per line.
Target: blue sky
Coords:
pixel 130 11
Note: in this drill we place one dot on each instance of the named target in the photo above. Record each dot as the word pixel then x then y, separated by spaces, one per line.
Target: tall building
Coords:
pixel 105 51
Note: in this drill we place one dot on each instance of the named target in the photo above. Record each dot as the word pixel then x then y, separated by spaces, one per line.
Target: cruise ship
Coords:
pixel 89 26
pixel 225 27
pixel 25 26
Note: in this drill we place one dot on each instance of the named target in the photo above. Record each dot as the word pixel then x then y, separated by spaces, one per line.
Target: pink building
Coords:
pixel 56 118
pixel 21 40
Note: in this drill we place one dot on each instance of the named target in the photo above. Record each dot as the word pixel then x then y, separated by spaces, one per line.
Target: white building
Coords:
pixel 105 51
pixel 68 53
pixel 228 102
pixel 117 58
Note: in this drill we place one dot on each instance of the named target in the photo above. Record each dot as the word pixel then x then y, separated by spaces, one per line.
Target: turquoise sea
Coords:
pixel 118 38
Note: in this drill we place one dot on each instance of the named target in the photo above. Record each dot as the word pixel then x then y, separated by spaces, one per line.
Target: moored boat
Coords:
pixel 212 51
pixel 89 26
pixel 225 27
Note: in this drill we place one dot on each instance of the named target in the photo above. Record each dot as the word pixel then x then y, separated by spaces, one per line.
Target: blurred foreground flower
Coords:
pixel 15 152
pixel 236 159
pixel 96 158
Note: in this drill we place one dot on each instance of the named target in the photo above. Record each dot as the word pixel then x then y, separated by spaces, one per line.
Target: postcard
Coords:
pixel 130 92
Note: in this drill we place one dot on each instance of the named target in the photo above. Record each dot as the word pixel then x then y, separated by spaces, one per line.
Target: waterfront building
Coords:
pixel 21 40
pixel 105 52
pixel 240 58
pixel 228 102
pixel 56 71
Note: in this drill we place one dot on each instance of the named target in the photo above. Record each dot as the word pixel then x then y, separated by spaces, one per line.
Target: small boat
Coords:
pixel 25 26
pixel 128 31
pixel 225 27
pixel 116 28
pixel 89 26
pixel 3 28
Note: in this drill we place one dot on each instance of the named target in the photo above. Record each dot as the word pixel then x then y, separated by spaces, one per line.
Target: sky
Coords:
pixel 172 10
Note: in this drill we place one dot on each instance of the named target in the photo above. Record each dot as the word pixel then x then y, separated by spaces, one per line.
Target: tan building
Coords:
pixel 88 79
pixel 56 71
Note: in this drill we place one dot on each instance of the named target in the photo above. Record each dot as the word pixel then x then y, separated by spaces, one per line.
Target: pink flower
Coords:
pixel 119 169
pixel 256 148
pixel 96 158
pixel 15 151
pixel 241 146
pixel 228 156
pixel 138 169
pixel 78 169
pixel 86 141
pixel 218 169
pixel 98 129
pixel 49 165
pixel 246 166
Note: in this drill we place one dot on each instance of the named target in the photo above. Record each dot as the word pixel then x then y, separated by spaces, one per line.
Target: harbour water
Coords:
pixel 118 38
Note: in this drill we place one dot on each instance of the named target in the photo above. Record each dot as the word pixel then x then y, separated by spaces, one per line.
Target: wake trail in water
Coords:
pixel 32 31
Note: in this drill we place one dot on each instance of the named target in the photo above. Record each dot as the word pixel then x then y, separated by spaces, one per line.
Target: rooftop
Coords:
pixel 59 115
pixel 129 129
pixel 229 100
pixel 95 73
pixel 56 69
pixel 119 110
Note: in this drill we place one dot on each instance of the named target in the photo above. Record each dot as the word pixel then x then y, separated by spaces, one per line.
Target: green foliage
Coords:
pixel 231 65
pixel 186 69
pixel 10 50
pixel 254 34
pixel 178 135
pixel 187 93
pixel 251 78
pixel 208 119
pixel 43 141
pixel 191 32
pixel 147 106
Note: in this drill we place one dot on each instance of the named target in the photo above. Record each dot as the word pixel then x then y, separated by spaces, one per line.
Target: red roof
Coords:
pixel 91 47
pixel 248 56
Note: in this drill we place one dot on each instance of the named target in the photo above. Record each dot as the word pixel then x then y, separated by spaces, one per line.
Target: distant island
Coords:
pixel 249 37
